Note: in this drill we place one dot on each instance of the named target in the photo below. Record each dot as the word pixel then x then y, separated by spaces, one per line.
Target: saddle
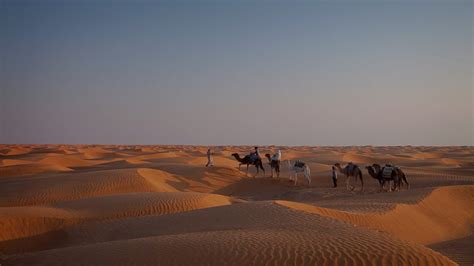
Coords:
pixel 350 167
pixel 387 172
pixel 253 157
pixel 299 164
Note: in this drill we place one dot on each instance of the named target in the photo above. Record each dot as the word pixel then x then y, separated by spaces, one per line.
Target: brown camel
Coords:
pixel 274 165
pixel 379 175
pixel 247 161
pixel 401 179
pixel 351 170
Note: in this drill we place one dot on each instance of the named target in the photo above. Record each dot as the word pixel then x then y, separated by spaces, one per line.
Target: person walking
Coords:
pixel 334 176
pixel 210 161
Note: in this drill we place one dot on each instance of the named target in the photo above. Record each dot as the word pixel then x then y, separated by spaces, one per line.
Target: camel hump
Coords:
pixel 351 167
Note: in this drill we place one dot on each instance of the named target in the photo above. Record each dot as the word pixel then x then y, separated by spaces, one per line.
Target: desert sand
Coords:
pixel 159 205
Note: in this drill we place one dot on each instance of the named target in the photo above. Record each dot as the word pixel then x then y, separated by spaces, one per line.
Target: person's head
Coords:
pixel 333 168
pixel 256 148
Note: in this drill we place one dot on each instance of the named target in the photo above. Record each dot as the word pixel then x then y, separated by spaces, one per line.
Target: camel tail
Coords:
pixel 307 174
pixel 404 177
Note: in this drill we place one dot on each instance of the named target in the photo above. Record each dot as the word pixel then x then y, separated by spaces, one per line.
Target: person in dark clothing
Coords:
pixel 334 176
pixel 210 161
pixel 255 155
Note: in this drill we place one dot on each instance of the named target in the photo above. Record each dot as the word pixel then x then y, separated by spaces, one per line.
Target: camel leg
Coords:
pixel 277 170
pixel 296 177
pixel 247 173
pixel 348 183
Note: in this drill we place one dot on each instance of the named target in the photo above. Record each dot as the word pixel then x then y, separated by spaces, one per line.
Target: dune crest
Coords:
pixel 160 205
pixel 443 215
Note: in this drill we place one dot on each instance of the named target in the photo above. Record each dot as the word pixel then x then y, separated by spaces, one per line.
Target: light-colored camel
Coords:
pixel 299 167
pixel 351 170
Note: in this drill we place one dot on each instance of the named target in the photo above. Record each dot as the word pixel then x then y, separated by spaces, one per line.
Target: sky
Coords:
pixel 237 72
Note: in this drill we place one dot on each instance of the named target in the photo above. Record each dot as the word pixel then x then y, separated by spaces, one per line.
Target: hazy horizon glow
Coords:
pixel 237 72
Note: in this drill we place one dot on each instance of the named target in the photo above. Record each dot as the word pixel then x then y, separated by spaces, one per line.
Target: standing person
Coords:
pixel 277 156
pixel 210 162
pixel 275 163
pixel 334 176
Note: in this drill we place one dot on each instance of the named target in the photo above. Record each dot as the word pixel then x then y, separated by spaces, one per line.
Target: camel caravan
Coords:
pixel 390 176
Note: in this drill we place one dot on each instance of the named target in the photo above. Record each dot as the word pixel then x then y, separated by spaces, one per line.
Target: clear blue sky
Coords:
pixel 237 72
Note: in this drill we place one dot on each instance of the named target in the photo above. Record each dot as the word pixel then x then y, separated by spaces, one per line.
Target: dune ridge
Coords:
pixel 244 236
pixel 20 222
pixel 443 215
pixel 133 204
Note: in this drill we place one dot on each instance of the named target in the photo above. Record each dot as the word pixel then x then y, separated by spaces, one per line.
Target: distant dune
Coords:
pixel 159 205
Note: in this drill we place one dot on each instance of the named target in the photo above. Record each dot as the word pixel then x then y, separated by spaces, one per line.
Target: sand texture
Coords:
pixel 159 205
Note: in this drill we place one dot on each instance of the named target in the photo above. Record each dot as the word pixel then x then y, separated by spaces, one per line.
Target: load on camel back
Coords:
pixel 351 166
pixel 299 164
pixel 387 171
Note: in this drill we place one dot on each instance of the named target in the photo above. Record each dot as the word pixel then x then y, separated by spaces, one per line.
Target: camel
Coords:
pixel 379 175
pixel 299 167
pixel 274 165
pixel 351 170
pixel 247 160
pixel 402 178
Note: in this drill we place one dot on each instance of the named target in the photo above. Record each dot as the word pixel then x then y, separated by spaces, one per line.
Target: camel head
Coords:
pixel 236 155
pixel 377 167
pixel 369 168
pixel 268 155
pixel 337 165
pixel 371 171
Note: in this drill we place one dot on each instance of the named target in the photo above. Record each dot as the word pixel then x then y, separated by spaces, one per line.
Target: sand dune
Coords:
pixel 96 153
pixel 16 151
pixel 20 222
pixel 443 215
pixel 129 204
pixel 141 204
pixel 10 162
pixel 292 237
pixel 63 187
